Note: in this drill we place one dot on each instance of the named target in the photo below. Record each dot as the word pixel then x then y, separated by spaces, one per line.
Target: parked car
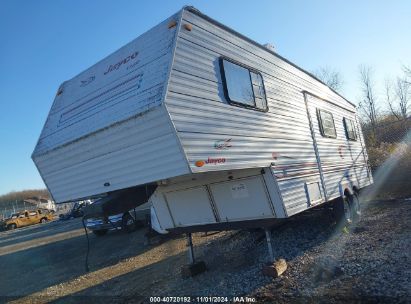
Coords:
pixel 27 218
pixel 128 221
pixel 76 211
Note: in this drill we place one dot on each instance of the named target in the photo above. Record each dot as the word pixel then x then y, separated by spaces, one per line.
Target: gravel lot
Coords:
pixel 369 262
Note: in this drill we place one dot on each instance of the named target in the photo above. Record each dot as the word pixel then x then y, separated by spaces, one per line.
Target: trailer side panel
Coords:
pixel 217 135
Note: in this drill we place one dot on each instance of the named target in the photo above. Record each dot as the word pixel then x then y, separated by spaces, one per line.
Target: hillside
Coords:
pixel 22 195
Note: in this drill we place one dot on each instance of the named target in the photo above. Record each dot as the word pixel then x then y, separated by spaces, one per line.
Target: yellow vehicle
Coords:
pixel 26 218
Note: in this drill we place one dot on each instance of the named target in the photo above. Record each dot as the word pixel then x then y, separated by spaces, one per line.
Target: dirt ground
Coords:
pixel 371 262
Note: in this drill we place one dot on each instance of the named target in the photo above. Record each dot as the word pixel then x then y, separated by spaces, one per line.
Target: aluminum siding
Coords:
pixel 140 150
pixel 281 137
pixel 341 159
pixel 128 82
pixel 115 131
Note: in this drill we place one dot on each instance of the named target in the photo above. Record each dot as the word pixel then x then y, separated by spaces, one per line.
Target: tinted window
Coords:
pixel 350 129
pixel 326 122
pixel 244 86
pixel 238 83
pixel 258 89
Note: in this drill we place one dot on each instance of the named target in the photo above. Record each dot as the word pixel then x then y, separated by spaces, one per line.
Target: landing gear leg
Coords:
pixel 274 268
pixel 193 268
pixel 269 244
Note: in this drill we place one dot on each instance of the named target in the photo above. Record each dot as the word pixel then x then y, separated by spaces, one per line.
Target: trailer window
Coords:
pixel 243 86
pixel 350 129
pixel 326 122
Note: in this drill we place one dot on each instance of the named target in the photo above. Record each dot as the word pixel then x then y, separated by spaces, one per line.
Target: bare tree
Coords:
pixel 330 77
pixel 402 91
pixel 399 101
pixel 390 98
pixel 407 72
pixel 368 99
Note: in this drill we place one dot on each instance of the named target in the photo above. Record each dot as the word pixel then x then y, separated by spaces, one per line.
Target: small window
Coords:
pixel 326 122
pixel 350 129
pixel 243 86
pixel 33 213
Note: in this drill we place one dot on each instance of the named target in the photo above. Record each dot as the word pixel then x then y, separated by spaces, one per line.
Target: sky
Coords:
pixel 46 42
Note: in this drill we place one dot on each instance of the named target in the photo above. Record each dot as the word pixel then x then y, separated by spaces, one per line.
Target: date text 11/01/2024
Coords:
pixel 202 299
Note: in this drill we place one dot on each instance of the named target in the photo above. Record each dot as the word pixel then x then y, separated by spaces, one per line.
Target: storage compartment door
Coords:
pixel 243 199
pixel 190 207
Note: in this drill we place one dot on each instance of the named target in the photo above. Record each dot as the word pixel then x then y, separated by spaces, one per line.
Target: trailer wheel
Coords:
pixel 342 210
pixel 129 223
pixel 348 210
pixel 356 205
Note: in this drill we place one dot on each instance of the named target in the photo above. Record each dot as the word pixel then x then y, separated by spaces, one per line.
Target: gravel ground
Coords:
pixel 368 262
pixel 372 259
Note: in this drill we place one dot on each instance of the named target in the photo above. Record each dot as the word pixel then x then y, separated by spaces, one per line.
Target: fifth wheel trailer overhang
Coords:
pixel 228 130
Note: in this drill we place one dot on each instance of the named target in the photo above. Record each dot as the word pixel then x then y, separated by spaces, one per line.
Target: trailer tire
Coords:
pixel 342 210
pixel 129 223
pixel 356 206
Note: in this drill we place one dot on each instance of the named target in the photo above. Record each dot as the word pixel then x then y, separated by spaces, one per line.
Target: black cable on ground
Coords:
pixel 88 244
pixel 88 240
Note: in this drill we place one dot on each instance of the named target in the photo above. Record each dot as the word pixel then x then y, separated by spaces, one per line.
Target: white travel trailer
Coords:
pixel 222 131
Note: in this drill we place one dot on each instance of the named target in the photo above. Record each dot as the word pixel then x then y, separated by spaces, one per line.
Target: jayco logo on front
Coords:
pixel 116 66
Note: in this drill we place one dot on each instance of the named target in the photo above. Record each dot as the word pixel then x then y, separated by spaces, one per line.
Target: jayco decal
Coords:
pixel 223 144
pixel 87 81
pixel 117 65
pixel 210 161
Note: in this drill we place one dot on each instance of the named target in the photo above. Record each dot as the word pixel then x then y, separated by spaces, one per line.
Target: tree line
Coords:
pixel 23 195
pixel 384 112
pixel 374 107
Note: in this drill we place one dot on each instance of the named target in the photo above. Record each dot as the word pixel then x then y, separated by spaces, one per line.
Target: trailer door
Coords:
pixel 338 152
